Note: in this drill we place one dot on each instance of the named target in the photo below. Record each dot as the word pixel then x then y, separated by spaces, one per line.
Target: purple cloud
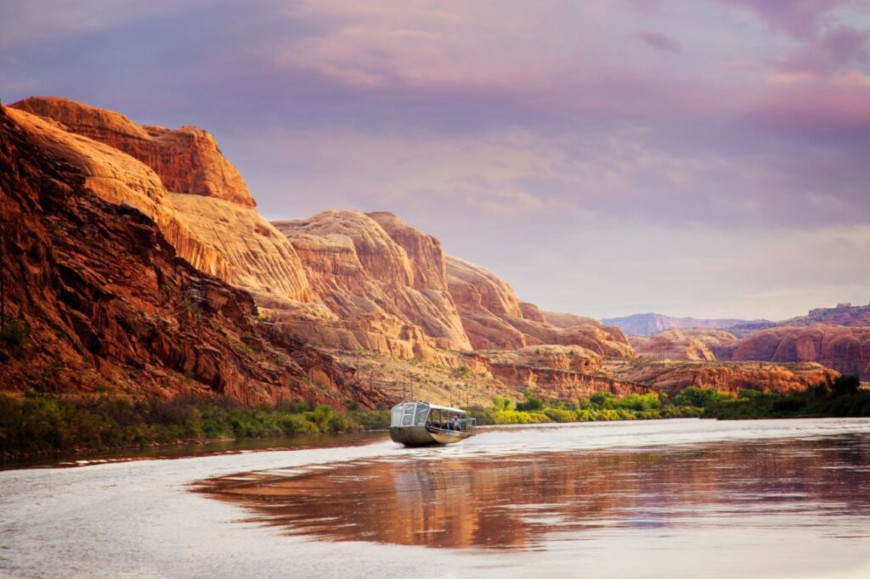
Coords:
pixel 832 51
pixel 800 18
pixel 659 41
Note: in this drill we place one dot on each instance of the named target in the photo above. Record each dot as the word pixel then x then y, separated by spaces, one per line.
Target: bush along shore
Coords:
pixel 843 398
pixel 37 424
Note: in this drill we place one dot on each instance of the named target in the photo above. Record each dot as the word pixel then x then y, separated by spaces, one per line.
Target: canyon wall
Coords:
pixel 105 305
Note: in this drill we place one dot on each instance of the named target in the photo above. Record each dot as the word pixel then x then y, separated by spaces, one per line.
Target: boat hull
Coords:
pixel 423 436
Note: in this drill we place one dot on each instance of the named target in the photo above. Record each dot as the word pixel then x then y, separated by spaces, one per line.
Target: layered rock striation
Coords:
pixel 104 303
pixel 494 318
pixel 383 281
pixel 187 160
pixel 181 180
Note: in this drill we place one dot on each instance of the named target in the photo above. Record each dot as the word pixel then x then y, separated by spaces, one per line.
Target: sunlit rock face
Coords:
pixel 494 318
pixel 119 178
pixel 672 345
pixel 187 160
pixel 845 349
pixel 181 180
pixel 383 280
pixel 108 305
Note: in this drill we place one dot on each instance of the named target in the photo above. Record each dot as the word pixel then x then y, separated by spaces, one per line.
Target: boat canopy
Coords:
pixel 417 413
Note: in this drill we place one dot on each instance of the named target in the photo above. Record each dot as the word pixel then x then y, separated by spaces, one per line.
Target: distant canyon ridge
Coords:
pixel 136 262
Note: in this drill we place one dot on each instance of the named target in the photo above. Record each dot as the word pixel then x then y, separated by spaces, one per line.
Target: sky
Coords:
pixel 706 158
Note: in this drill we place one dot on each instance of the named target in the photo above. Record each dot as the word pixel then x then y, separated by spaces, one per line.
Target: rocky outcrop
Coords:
pixel 104 305
pixel 211 222
pixel 673 377
pixel 495 319
pixel 383 281
pixel 118 178
pixel 187 160
pixel 671 345
pixel 843 315
pixel 845 349
pixel 551 384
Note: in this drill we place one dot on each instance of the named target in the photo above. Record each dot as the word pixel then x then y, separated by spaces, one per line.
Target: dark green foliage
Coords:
pixel 699 397
pixel 845 399
pixel 603 400
pixel 844 385
pixel 39 423
pixel 531 403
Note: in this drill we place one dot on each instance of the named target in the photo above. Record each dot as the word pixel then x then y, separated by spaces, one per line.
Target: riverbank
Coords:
pixel 37 425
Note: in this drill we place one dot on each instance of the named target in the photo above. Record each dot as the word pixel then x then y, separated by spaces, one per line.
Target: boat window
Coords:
pixel 422 414
pixel 408 415
pixel 396 415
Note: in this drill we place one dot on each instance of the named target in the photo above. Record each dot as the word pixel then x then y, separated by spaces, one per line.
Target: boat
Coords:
pixel 423 424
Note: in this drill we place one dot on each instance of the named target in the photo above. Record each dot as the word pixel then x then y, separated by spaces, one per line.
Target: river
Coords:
pixel 670 498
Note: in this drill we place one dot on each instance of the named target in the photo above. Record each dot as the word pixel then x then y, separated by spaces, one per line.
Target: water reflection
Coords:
pixel 522 502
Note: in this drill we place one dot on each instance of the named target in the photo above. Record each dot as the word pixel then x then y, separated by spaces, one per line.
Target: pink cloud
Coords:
pixel 659 41
pixel 810 105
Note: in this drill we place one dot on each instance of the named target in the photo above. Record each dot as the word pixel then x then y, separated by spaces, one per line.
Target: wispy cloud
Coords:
pixel 660 41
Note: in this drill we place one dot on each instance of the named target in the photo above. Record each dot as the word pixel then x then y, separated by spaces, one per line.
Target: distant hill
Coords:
pixel 649 324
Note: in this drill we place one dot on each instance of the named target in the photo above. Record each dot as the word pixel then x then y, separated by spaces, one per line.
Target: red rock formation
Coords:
pixel 551 384
pixel 845 349
pixel 187 160
pixel 673 377
pixel 383 281
pixel 672 345
pixel 494 318
pixel 222 233
pixel 109 307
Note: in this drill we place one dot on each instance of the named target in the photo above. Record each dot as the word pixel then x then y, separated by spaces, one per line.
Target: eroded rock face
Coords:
pixel 845 349
pixel 187 160
pixel 209 217
pixel 109 306
pixel 494 318
pixel 383 281
pixel 672 345
pixel 120 179
pixel 675 376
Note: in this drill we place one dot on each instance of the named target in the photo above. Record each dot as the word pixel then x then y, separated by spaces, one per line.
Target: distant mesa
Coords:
pixel 649 324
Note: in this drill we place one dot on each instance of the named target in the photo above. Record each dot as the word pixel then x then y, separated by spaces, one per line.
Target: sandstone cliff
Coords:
pixel 842 348
pixel 106 305
pixel 674 376
pixel 494 318
pixel 181 180
pixel 383 281
pixel 187 160
pixel 683 344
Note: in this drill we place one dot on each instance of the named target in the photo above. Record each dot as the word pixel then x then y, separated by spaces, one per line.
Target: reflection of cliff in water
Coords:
pixel 517 501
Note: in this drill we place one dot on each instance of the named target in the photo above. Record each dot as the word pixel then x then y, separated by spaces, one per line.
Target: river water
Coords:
pixel 673 498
